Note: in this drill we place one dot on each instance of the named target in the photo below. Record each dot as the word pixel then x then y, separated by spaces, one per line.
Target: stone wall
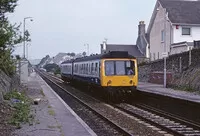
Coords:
pixel 173 65
pixel 7 83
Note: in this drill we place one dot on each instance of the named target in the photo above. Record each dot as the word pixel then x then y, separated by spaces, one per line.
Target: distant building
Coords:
pixel 180 20
pixel 140 50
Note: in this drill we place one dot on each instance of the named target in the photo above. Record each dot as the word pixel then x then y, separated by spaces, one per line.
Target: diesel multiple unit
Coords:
pixel 116 71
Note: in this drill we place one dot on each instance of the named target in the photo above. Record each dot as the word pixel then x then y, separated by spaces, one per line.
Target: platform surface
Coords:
pixel 53 116
pixel 159 89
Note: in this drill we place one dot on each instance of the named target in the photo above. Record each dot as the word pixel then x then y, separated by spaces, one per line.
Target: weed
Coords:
pixel 52 126
pixel 49 106
pixel 59 127
pixel 41 91
pixel 51 112
pixel 37 122
pixel 22 108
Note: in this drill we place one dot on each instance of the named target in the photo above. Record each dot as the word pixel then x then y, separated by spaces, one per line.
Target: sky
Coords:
pixel 66 25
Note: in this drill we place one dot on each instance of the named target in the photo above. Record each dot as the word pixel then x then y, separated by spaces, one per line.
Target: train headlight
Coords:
pixel 109 82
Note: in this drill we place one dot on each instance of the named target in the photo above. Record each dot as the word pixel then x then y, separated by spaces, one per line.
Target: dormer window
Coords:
pixel 186 31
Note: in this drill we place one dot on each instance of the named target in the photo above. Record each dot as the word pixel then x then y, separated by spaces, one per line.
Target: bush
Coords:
pixel 22 107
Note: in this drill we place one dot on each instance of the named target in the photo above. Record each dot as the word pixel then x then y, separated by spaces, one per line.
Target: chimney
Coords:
pixel 141 28
pixel 103 47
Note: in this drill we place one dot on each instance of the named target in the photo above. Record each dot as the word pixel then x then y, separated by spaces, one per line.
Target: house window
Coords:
pixel 185 31
pixel 162 36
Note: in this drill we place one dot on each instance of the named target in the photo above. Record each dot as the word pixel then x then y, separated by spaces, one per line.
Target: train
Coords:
pixel 113 73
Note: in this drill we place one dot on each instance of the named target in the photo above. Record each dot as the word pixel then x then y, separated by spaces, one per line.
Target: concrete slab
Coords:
pixel 159 89
pixel 52 116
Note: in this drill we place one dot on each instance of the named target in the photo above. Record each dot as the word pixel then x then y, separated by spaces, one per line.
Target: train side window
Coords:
pixel 130 67
pixel 96 66
pixel 87 69
pixel 99 68
pixel 75 68
pixel 92 68
pixel 83 68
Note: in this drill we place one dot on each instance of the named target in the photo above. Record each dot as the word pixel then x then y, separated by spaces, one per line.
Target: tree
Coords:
pixel 84 53
pixel 73 54
pixel 9 36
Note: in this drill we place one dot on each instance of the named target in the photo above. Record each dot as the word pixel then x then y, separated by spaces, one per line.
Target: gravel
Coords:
pixel 99 126
pixel 123 120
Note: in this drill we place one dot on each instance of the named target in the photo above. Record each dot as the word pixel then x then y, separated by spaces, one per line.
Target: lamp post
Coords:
pixel 24 34
pixel 165 54
pixel 87 48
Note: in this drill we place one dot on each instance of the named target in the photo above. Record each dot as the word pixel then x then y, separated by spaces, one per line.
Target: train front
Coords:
pixel 119 74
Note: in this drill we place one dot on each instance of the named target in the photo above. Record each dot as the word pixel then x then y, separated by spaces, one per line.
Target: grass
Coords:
pixel 22 108
pixel 49 106
pixel 186 88
pixel 41 91
pixel 51 112
pixel 37 122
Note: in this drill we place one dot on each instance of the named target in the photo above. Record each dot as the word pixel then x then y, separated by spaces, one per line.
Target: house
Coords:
pixel 174 26
pixel 140 50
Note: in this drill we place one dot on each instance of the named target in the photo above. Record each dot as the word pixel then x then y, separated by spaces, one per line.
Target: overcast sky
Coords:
pixel 65 25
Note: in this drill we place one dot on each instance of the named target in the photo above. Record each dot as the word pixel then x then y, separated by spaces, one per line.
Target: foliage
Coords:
pixel 7 6
pixel 84 53
pixel 71 54
pixel 10 35
pixel 51 67
pixel 57 71
pixel 6 62
pixel 43 60
pixel 22 107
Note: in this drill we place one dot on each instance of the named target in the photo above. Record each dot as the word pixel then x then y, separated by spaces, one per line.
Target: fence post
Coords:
pixel 190 56
pixel 180 64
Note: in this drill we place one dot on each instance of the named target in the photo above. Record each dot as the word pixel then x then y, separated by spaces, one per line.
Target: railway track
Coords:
pixel 120 129
pixel 164 121
pixel 169 123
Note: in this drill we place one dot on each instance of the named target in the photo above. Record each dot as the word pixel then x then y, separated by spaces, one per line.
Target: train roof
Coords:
pixel 113 54
pixel 68 61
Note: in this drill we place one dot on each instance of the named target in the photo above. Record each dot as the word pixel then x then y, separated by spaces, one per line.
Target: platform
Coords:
pixel 53 116
pixel 159 89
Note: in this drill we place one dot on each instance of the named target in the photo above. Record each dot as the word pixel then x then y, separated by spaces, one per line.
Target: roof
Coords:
pixel 59 57
pixel 131 49
pixel 142 43
pixel 68 61
pixel 182 11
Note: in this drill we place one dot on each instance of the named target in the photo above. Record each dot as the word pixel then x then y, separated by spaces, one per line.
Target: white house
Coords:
pixel 174 26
